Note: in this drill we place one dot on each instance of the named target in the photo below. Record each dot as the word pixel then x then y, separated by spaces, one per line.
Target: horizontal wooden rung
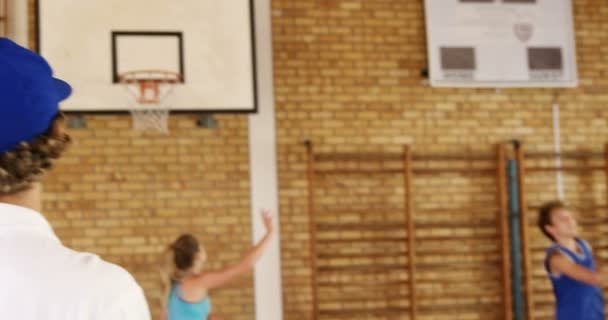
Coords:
pixel 463 306
pixel 330 211
pixel 593 221
pixel 358 171
pixel 480 305
pixel 454 157
pixel 460 290
pixel 456 281
pixel 539 247
pixel 320 157
pixel 565 155
pixel 358 240
pixel 363 268
pixel 395 284
pixel 362 255
pixel 399 225
pixel 581 209
pixel 428 238
pixel 455 250
pixel 538 291
pixel 547 303
pixel 464 224
pixel 365 311
pixel 475 208
pixel 345 298
pixel 490 266
pixel 536 248
pixel 377 156
pixel 352 293
pixel 460 308
pixel 457 295
pixel 420 171
pixel 565 168
pixel 457 237
pixel 471 171
pixel 361 226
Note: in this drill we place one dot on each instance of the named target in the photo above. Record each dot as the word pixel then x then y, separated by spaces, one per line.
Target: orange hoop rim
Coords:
pixel 151 81
pixel 164 76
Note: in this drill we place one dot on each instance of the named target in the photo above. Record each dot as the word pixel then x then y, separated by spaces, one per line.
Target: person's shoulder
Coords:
pixel 552 249
pixel 109 284
pixel 98 275
pixel 97 271
pixel 554 252
pixel 584 243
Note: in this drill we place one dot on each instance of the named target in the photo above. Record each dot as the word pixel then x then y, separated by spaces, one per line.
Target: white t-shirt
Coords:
pixel 40 279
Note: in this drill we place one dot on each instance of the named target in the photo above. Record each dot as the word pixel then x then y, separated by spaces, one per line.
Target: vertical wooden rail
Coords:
pixel 4 18
pixel 606 169
pixel 411 234
pixel 503 217
pixel 525 231
pixel 313 229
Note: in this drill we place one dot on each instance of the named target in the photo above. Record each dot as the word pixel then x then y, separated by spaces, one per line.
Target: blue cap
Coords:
pixel 29 95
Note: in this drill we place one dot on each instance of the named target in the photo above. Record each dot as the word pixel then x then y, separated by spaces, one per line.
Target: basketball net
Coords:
pixel 149 91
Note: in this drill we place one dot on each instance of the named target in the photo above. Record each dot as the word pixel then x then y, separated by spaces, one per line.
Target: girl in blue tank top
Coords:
pixel 187 286
pixel 571 268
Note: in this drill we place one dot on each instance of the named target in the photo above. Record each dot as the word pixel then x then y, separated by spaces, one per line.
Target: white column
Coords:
pixel 263 167
pixel 559 181
pixel 18 21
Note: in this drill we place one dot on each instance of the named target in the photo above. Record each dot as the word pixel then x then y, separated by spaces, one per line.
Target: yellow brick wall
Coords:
pixel 347 76
pixel 125 196
pixel 457 246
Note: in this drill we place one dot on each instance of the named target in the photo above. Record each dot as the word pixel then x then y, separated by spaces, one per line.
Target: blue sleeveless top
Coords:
pixel 180 309
pixel 574 299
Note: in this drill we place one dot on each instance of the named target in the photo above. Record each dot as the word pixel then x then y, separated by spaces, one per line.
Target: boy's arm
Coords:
pixel 560 264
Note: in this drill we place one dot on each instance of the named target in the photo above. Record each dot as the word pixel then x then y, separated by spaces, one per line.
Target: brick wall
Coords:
pixel 125 196
pixel 347 76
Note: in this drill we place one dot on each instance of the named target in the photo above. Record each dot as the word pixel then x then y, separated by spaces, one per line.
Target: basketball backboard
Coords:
pixel 210 43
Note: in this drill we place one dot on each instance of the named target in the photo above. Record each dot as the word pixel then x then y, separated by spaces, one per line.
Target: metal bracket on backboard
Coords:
pixel 207 121
pixel 76 121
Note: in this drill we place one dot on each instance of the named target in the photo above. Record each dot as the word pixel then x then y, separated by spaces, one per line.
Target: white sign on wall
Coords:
pixel 501 43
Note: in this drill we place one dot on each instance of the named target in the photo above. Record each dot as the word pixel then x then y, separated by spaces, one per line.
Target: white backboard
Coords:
pixel 89 42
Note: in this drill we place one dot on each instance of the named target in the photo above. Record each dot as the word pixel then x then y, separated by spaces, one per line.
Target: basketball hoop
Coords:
pixel 149 90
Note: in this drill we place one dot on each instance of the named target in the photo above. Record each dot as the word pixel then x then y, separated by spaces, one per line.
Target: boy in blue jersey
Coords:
pixel 570 265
